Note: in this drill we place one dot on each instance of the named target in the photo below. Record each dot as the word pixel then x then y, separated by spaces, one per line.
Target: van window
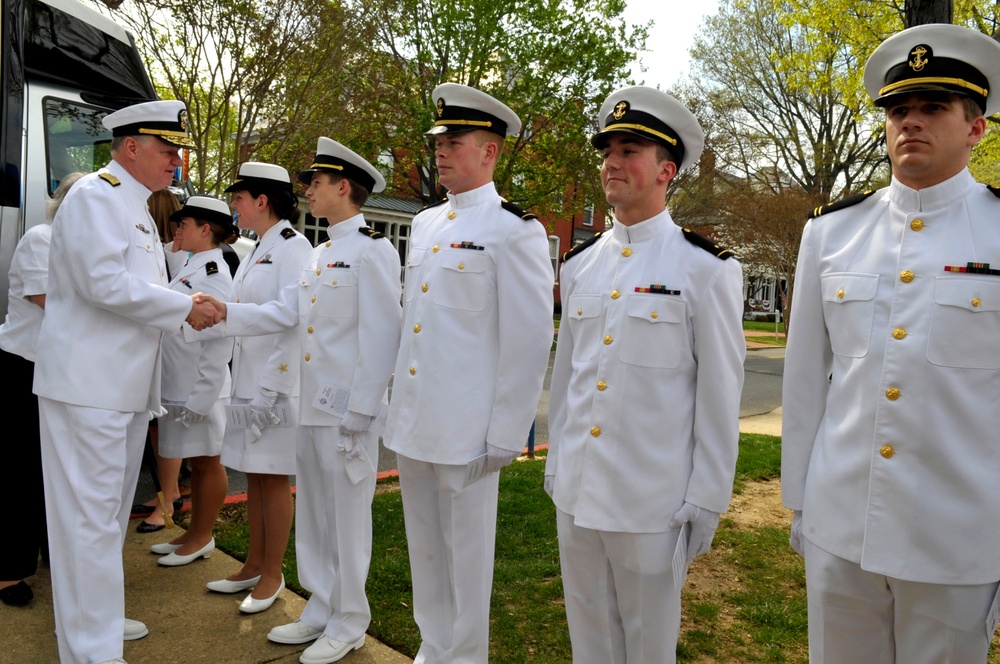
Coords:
pixel 75 139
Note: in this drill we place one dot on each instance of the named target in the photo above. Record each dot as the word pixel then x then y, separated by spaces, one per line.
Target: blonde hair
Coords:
pixel 60 193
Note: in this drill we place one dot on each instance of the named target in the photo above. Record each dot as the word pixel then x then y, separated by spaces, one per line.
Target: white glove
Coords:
pixel 262 412
pixel 550 484
pixel 353 423
pixel 795 538
pixel 188 417
pixel 498 457
pixel 703 526
pixel 157 413
pixel 348 445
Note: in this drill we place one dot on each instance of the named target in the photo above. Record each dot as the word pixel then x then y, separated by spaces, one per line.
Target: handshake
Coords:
pixel 206 311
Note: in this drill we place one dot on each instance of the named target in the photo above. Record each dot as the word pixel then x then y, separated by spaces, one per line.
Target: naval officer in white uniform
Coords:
pixel 196 381
pixel 477 330
pixel 97 371
pixel 346 304
pixel 265 369
pixel 890 427
pixel 645 394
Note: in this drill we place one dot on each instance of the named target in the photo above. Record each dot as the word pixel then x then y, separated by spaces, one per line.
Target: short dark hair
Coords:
pixel 219 233
pixel 359 194
pixel 284 204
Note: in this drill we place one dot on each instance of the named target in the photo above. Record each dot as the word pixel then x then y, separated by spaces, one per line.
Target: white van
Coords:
pixel 64 67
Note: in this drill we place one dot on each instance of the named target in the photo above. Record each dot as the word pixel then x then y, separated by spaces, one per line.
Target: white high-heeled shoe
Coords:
pixel 251 605
pixel 175 560
pixel 164 548
pixel 227 586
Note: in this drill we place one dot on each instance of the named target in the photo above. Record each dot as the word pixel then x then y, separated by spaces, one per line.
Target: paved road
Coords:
pixel 761 394
pixel 762 372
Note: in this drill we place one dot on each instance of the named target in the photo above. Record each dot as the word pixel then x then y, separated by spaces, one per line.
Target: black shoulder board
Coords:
pixel 994 190
pixel 430 205
pixel 840 205
pixel 211 268
pixel 370 232
pixel 579 248
pixel 515 209
pixel 707 245
pixel 288 233
pixel 110 179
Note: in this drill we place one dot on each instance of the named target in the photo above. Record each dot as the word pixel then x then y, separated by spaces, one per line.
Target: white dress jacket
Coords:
pixel 891 430
pixel 107 306
pixel 477 329
pixel 645 395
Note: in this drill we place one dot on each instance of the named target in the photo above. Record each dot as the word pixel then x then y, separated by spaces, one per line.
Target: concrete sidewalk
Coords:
pixel 187 623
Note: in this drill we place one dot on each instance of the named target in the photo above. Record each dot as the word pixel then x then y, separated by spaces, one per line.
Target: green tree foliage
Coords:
pixel 552 61
pixel 259 77
pixel 779 105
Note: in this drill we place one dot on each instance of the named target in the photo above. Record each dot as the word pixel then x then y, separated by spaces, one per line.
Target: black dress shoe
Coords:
pixel 144 527
pixel 17 595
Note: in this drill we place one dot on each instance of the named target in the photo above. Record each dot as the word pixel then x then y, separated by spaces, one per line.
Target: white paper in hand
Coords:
pixel 475 469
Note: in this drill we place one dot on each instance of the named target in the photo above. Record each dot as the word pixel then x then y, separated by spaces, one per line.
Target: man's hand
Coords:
pixel 703 526
pixel 202 315
pixel 795 538
pixel 353 423
pixel 498 457
pixel 219 305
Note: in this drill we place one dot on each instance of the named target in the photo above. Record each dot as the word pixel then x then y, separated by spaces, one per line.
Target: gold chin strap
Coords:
pixel 335 167
pixel 940 80
pixel 622 125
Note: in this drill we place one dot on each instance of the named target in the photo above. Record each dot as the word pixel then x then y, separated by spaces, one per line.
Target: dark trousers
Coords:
pixel 21 489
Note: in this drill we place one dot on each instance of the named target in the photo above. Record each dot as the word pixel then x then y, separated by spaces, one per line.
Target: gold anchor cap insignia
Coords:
pixel 621 108
pixel 440 106
pixel 919 61
pixel 182 118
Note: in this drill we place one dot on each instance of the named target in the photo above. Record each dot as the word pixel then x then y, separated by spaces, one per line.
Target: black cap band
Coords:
pixel 327 164
pixel 924 72
pixel 624 118
pixel 457 119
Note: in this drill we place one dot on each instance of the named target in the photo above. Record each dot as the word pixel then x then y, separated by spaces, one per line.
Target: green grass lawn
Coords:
pixel 743 602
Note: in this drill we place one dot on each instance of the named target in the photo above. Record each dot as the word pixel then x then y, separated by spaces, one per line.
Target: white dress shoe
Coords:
pixel 251 605
pixel 134 630
pixel 115 661
pixel 164 548
pixel 327 650
pixel 227 586
pixel 294 633
pixel 175 560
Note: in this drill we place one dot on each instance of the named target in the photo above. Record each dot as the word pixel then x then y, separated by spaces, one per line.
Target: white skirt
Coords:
pixel 199 439
pixel 271 454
